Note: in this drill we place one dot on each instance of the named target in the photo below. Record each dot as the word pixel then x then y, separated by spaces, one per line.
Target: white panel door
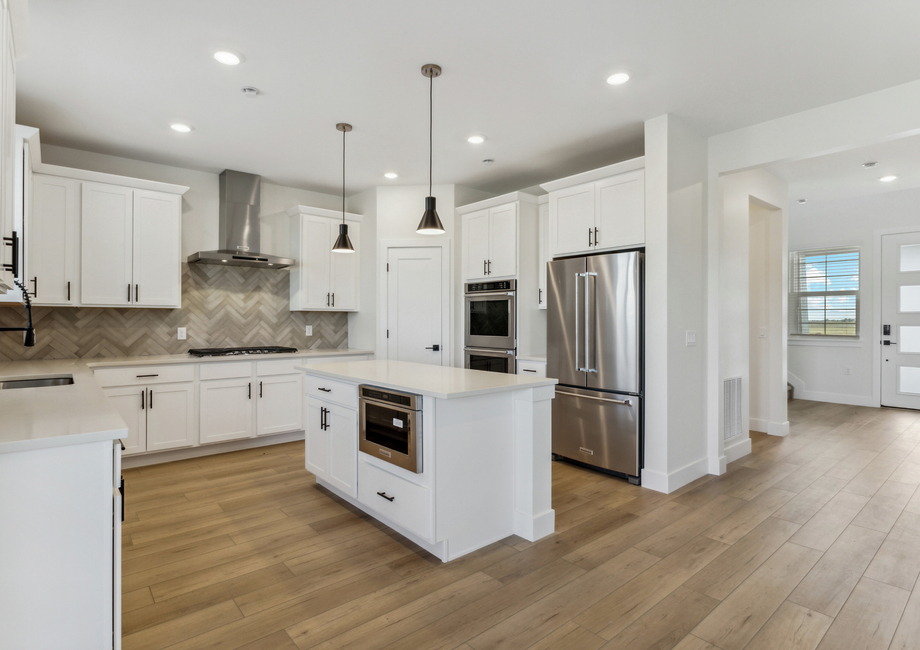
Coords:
pixel 621 210
pixel 543 223
pixel 345 270
pixel 414 305
pixel 571 217
pixel 106 245
pixel 342 427
pixel 317 438
pixel 131 404
pixel 170 416
pixel 901 317
pixel 157 232
pixel 280 404
pixel 51 234
pixel 7 142
pixel 503 241
pixel 476 244
pixel 315 265
pixel 226 410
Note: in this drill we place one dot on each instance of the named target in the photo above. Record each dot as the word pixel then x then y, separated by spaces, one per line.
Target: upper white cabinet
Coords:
pixel 491 235
pixel 130 242
pixel 599 210
pixel 52 249
pixel 12 37
pixel 543 257
pixel 322 280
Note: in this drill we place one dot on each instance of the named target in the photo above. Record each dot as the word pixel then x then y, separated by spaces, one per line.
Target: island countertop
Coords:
pixel 434 381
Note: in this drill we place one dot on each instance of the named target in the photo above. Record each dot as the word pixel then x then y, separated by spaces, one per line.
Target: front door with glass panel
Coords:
pixel 900 340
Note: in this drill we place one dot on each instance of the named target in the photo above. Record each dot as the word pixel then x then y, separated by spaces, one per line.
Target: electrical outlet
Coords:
pixel 308 330
pixel 180 334
pixel 691 338
pixel 846 370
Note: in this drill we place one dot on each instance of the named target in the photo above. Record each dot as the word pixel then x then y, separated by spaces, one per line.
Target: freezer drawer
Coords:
pixel 600 429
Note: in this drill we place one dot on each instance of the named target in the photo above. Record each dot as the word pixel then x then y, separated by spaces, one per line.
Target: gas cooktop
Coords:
pixel 226 352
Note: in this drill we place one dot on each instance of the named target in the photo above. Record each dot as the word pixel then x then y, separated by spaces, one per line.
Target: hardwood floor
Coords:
pixel 812 541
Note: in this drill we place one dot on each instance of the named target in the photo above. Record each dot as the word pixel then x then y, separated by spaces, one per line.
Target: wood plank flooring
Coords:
pixel 812 541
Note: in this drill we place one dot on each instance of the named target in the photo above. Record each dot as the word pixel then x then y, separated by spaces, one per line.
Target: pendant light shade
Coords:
pixel 343 243
pixel 430 223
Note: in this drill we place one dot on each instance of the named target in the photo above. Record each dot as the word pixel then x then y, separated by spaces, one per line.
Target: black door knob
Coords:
pixel 434 347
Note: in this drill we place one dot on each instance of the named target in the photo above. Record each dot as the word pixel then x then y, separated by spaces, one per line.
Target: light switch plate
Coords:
pixel 180 333
pixel 691 338
pixel 308 330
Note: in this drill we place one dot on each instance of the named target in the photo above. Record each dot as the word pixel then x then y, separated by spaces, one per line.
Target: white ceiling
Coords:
pixel 110 76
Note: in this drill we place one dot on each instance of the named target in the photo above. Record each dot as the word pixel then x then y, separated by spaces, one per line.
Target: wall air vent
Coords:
pixel 731 405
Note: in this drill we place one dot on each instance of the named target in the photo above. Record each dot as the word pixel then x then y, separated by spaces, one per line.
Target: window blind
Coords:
pixel 824 292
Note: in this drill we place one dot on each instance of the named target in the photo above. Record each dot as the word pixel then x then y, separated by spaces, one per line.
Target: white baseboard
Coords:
pixel 536 527
pixel 141 460
pixel 758 425
pixel 778 428
pixel 736 448
pixel 667 483
pixel 837 398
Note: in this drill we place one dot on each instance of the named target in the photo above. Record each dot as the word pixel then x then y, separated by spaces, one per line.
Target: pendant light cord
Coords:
pixel 343 175
pixel 430 131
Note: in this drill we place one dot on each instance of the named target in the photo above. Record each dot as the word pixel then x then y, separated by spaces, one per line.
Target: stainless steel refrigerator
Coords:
pixel 595 350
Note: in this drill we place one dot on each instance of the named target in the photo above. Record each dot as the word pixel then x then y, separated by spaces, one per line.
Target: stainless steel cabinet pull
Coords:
pixel 142 376
pixel 625 402
pixel 143 395
pixel 384 495
pixel 325 390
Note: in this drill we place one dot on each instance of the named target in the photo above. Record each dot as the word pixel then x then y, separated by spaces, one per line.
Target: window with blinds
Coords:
pixel 824 292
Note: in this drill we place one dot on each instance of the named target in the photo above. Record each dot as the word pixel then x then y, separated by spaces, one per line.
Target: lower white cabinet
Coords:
pixel 332 444
pixel 226 409
pixel 531 368
pixel 159 416
pixel 279 407
pixel 399 500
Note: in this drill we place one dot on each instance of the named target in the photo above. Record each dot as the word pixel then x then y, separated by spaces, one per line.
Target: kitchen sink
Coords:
pixel 36 382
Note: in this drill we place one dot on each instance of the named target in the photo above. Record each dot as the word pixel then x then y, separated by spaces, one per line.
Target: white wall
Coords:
pixel 818 369
pixel 766 297
pixel 362 325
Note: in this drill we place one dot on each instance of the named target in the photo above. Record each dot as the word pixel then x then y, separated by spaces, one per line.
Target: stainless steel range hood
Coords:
pixel 240 202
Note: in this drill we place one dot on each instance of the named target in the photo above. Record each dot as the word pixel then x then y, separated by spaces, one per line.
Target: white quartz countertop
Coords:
pixel 54 416
pixel 161 359
pixel 423 379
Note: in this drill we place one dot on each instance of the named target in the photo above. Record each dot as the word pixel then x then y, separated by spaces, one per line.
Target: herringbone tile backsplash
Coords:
pixel 221 306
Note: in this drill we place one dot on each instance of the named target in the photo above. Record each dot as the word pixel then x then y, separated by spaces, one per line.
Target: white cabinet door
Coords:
pixel 317 438
pixel 106 245
pixel 131 403
pixel 476 245
pixel 7 142
pixel 344 272
pixel 621 210
pixel 170 416
pixel 280 404
pixel 503 241
pixel 314 264
pixel 543 256
pixel 157 232
pixel 52 240
pixel 342 428
pixel 226 410
pixel 571 217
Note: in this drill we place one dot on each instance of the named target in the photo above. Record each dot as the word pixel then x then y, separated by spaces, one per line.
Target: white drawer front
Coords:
pixel 225 370
pixel 531 368
pixel 330 390
pixel 410 506
pixel 144 375
pixel 278 367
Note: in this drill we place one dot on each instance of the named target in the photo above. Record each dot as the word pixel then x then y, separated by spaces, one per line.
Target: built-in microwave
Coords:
pixel 390 426
pixel 490 360
pixel 491 315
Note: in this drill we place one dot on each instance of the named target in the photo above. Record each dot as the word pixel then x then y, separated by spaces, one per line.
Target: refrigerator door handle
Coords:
pixel 578 329
pixel 591 319
pixel 625 402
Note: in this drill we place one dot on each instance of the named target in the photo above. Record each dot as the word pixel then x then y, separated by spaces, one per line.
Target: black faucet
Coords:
pixel 28 338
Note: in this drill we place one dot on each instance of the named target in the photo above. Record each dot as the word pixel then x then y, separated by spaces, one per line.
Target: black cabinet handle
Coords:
pixel 539 296
pixel 13 242
pixel 589 237
pixel 150 401
pixel 528 370
pixel 596 239
pixel 68 291
pixel 323 423
pixel 260 389
pixel 35 287
pixel 140 376
pixel 250 391
pixel 122 490
pixel 333 299
pixel 129 293
pixel 384 495
pixel 327 299
pixel 325 390
pixel 483 267
pixel 490 267
pixel 143 395
pixel 135 293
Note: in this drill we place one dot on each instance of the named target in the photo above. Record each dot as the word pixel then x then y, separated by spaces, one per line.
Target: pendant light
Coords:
pixel 343 243
pixel 430 223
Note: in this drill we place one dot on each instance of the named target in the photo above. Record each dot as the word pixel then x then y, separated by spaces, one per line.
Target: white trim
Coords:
pixel 447 291
pixel 780 429
pixel 798 385
pixel 758 425
pixel 534 527
pixel 668 483
pixel 828 343
pixel 837 398
pixel 736 448
pixel 297 210
pixel 595 174
pixel 110 179
pixel 496 201
pixel 142 460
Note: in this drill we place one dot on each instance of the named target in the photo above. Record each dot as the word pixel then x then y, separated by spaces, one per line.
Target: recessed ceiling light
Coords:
pixel 228 58
pixel 869 165
pixel 618 78
pixel 488 161
pixel 181 128
pixel 476 139
pixel 888 179
pixel 802 201
pixel 391 175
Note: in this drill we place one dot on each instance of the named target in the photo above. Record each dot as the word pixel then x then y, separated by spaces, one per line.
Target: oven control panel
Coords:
pixel 482 287
pixel 397 399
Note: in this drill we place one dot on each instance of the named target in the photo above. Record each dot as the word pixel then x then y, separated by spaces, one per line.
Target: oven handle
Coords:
pixel 490 351
pixel 490 294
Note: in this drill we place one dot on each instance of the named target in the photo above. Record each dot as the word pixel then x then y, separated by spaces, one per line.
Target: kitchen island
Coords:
pixel 485 460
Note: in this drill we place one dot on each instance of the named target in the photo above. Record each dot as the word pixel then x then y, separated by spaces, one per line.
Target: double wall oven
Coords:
pixel 491 327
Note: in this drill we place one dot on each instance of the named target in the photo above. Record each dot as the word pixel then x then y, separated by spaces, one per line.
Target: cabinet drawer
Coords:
pixel 278 367
pixel 144 375
pixel 405 503
pixel 330 390
pixel 233 370
pixel 531 368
